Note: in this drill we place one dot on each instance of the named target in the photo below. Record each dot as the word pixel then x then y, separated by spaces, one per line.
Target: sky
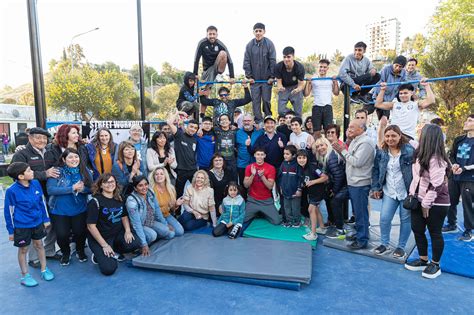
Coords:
pixel 172 29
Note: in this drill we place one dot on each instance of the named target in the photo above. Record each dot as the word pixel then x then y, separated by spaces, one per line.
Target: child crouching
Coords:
pixel 233 213
pixel 26 219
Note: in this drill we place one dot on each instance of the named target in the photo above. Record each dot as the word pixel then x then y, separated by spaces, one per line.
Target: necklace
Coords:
pixel 104 150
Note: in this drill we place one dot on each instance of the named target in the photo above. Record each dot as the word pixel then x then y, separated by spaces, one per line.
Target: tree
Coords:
pixel 337 58
pixel 414 46
pixel 452 14
pixel 89 92
pixel 26 98
pixel 9 100
pixel 165 97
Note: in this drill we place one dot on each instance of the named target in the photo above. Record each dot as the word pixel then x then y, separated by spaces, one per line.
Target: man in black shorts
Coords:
pixel 322 90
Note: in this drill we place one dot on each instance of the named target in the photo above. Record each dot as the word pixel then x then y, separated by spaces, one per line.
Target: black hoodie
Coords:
pixel 187 92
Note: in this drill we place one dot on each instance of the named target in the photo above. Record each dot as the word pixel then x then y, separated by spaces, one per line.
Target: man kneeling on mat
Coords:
pixel 259 180
pixel 233 213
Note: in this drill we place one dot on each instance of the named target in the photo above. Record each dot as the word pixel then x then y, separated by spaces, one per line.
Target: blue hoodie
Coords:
pixel 25 207
pixel 289 178
pixel 205 149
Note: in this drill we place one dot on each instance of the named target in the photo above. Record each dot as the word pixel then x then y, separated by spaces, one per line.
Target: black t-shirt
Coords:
pixel 185 151
pixel 108 215
pixel 289 78
pixel 284 129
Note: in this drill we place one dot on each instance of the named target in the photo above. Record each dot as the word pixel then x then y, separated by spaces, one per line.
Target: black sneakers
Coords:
pixel 450 228
pixel 466 236
pixel 65 259
pixel 416 265
pixel 356 245
pixel 235 232
pixel 94 260
pixel 432 271
pixel 398 252
pixel 382 249
pixel 81 256
pixel 34 263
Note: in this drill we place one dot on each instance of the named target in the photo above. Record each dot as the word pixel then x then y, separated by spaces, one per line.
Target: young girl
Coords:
pixel 313 182
pixel 233 213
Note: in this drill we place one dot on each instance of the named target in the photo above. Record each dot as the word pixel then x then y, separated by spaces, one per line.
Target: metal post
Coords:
pixel 140 61
pixel 36 67
pixel 347 108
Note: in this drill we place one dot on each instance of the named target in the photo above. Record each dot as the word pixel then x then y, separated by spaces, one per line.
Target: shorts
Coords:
pixel 313 201
pixel 210 73
pixel 22 236
pixel 321 116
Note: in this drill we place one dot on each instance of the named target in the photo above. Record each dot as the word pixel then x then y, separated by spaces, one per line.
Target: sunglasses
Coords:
pixel 223 95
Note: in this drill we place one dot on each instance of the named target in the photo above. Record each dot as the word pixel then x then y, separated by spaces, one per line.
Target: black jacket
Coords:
pixel 53 155
pixel 187 92
pixel 209 54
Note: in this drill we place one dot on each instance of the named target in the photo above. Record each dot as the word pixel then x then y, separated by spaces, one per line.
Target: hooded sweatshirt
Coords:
pixel 187 92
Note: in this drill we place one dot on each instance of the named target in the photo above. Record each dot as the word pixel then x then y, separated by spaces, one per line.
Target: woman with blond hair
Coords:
pixel 336 193
pixel 166 195
pixel 199 204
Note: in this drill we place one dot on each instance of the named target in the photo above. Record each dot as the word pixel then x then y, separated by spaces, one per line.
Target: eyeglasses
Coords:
pixel 330 132
pixel 223 95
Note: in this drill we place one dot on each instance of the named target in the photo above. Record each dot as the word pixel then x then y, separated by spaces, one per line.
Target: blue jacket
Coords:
pixel 136 207
pixel 380 167
pixel 62 199
pixel 24 207
pixel 120 171
pixel 289 178
pixel 336 170
pixel 205 149
pixel 91 152
pixel 243 156
pixel 233 210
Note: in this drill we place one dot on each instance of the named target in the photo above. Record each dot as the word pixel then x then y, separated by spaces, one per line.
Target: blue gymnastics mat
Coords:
pixel 253 261
pixel 458 256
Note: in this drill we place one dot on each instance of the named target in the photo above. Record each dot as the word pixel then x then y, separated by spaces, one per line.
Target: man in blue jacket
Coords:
pixel 245 138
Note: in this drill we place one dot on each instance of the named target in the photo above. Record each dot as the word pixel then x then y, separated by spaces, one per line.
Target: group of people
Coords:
pixel 193 173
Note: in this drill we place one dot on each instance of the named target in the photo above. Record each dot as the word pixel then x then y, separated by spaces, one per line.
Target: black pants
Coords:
pixel 454 188
pixel 434 222
pixel 365 79
pixel 304 203
pixel 108 265
pixel 337 207
pixel 467 194
pixel 329 207
pixel 63 225
pixel 181 178
pixel 222 229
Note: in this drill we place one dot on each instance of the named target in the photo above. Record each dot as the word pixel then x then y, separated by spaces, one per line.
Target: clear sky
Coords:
pixel 172 29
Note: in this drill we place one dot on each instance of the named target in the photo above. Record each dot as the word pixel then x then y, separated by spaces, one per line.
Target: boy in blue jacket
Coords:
pixel 289 180
pixel 26 219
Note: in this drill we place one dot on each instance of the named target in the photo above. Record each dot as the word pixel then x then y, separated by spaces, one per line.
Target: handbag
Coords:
pixel 411 202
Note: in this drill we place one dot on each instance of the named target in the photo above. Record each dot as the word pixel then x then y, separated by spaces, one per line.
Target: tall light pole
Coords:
pixel 72 48
pixel 151 86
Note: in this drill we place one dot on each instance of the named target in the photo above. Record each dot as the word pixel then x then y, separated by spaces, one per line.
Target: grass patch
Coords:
pixel 6 181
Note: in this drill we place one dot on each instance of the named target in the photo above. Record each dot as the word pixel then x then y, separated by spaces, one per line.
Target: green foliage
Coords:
pixel 414 46
pixel 9 100
pixel 165 98
pixel 26 98
pixel 452 14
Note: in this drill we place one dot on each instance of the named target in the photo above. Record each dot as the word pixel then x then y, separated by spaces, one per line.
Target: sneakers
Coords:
pixel 466 236
pixel 310 236
pixel 235 232
pixel 336 233
pixel 56 256
pixel 355 99
pixel 351 220
pixel 65 259
pixel 34 263
pixel 219 77
pixel 432 271
pixel 28 281
pixel 47 274
pixel 307 222
pixel 381 250
pixel 120 258
pixel 94 260
pixel 416 265
pixel 351 238
pixel 321 230
pixel 81 256
pixel 296 225
pixel 286 224
pixel 398 253
pixel 356 245
pixel 450 228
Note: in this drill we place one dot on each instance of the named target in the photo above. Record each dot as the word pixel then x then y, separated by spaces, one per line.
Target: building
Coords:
pixel 16 118
pixel 382 35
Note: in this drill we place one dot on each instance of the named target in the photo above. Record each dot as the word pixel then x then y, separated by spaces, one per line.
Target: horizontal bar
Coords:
pixel 260 81
pixel 454 77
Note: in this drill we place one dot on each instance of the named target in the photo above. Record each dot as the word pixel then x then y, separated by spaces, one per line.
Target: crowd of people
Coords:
pixel 225 170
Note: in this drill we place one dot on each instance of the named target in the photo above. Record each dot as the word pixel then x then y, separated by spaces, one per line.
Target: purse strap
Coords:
pixel 418 186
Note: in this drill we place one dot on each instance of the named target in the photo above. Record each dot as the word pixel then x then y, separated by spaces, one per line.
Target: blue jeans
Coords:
pixel 360 204
pixel 389 207
pixel 158 230
pixel 189 222
pixel 178 228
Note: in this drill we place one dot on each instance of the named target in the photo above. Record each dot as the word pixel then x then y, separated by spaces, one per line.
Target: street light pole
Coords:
pixel 151 86
pixel 73 50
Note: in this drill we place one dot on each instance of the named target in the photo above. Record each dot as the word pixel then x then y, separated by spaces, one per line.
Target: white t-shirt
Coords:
pixel 405 116
pixel 322 92
pixel 299 141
